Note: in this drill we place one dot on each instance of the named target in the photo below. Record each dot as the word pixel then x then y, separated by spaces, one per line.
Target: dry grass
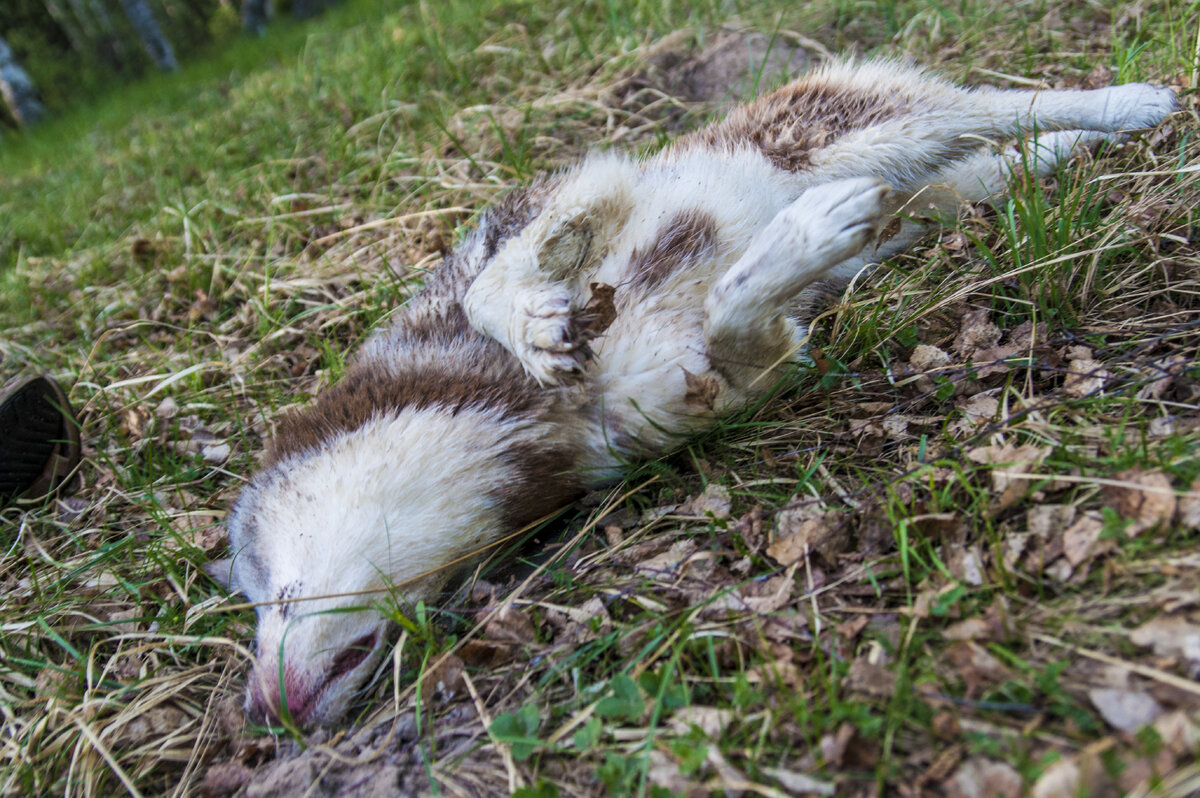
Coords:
pixel 956 619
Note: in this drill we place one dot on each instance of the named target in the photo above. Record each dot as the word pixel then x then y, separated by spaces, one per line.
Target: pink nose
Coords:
pixel 265 695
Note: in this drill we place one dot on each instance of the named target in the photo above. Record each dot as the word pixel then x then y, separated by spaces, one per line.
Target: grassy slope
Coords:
pixel 200 251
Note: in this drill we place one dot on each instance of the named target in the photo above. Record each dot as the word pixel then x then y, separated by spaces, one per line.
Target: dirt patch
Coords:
pixel 725 67
pixel 382 760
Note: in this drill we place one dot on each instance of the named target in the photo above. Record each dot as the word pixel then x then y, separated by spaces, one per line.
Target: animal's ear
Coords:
pixel 221 572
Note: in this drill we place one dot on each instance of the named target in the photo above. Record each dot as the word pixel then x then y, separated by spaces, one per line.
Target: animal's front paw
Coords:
pixel 545 338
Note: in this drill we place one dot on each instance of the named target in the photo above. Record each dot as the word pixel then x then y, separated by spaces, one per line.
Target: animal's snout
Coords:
pixel 267 695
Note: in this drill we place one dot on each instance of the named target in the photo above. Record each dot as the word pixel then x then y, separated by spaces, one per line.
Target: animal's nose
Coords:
pixel 266 697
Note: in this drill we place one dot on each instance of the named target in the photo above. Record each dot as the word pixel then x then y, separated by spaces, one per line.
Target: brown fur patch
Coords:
pixel 702 391
pixel 545 479
pixel 687 237
pixel 370 393
pixel 791 123
pixel 512 213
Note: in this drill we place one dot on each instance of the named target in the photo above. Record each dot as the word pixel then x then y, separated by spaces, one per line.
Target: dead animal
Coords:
pixel 603 314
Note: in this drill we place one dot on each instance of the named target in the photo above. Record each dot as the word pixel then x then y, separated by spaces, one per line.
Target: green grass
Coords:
pixel 199 251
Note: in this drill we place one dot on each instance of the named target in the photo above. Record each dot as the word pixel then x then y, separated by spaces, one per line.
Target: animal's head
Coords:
pixel 366 516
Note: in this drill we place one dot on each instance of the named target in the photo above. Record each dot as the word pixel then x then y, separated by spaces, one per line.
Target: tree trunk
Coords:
pixel 17 89
pixel 72 31
pixel 303 9
pixel 151 35
pixel 255 14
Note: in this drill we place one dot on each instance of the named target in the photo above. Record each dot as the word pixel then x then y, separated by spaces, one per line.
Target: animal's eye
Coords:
pixel 353 655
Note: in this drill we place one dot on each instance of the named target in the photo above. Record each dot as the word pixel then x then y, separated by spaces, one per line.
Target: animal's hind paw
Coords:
pixel 1133 106
pixel 835 221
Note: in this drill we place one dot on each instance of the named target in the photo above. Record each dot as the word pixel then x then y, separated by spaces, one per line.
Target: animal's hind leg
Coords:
pixel 988 174
pixel 746 324
pixel 1126 107
pixel 973 179
pixel 946 124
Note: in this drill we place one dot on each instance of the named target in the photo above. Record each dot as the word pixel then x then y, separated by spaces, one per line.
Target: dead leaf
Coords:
pixel 714 500
pixel 801 783
pixel 665 772
pixel 444 680
pixel 148 725
pixel 1178 731
pixel 750 529
pixel 969 629
pixel 849 630
pixel 945 726
pixel 966 565
pixel 1148 500
pixel 1125 710
pixel 784 674
pixel 1061 780
pixel 200 528
pixel 1048 520
pixel 489 654
pixel 167 408
pixel 1027 335
pixel 992 361
pixel 764 597
pixel 598 314
pixel 1015 545
pixel 1169 636
pixel 802 531
pixel 1080 539
pixel 136 422
pixel 940 526
pixel 865 428
pixel 977 666
pixel 980 777
pixel 671 562
pixel 1084 375
pixel 211 448
pixel 1010 465
pixel 870 679
pixel 889 231
pixel 847 749
pixel 215 453
pixel 1160 376
pixel 1010 462
pixel 943 764
pixel 895 426
pixel 977 410
pixel 587 622
pixel 926 358
pixel 833 746
pixel 977 333
pixel 511 625
pixel 203 308
pixel 710 720
pixel 732 780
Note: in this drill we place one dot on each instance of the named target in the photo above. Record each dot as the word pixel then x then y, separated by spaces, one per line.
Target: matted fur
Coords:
pixel 597 316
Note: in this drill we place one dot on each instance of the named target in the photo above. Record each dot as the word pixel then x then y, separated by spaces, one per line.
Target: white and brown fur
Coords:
pixel 602 314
